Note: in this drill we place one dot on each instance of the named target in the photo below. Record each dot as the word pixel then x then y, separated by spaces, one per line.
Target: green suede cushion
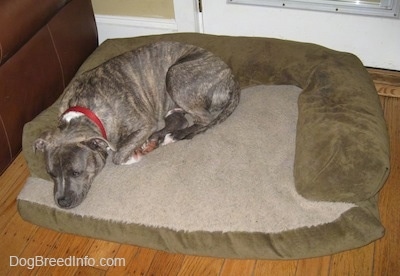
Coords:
pixel 341 154
pixel 342 149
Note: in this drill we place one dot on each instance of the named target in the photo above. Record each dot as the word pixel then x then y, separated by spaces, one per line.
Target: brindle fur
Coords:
pixel 132 94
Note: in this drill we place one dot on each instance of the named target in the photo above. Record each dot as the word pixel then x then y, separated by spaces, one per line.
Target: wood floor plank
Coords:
pixel 202 266
pixel 238 267
pixel 387 249
pixel 72 250
pixel 276 268
pixel 127 253
pixel 353 262
pixel 42 241
pixel 141 263
pixel 89 271
pixel 314 266
pixel 166 264
pixel 101 251
pixel 9 191
pixel 13 239
pixel 11 175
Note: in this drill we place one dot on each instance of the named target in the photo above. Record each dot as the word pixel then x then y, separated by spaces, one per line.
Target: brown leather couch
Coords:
pixel 42 44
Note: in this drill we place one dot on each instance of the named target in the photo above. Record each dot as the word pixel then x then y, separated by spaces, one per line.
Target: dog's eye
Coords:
pixel 76 173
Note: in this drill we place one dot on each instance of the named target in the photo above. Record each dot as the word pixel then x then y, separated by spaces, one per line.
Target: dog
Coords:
pixel 128 106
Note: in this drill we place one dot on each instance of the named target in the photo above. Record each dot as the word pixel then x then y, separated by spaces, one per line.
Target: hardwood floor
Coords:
pixel 25 240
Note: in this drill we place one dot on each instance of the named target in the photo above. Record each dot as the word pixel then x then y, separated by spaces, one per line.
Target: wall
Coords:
pixel 136 8
pixel 129 18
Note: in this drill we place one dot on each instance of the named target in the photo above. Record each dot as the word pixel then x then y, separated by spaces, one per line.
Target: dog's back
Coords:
pixel 134 85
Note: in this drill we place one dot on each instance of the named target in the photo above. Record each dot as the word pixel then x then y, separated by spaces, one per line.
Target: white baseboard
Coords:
pixel 122 26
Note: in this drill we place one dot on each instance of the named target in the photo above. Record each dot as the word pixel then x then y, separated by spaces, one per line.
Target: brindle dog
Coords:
pixel 131 104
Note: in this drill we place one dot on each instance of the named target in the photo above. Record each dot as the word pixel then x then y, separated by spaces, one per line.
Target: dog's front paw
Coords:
pixel 136 157
pixel 149 146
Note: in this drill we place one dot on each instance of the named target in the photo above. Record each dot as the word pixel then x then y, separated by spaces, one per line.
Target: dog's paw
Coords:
pixel 168 139
pixel 149 146
pixel 136 157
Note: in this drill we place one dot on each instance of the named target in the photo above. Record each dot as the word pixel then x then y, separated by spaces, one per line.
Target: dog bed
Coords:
pixel 229 192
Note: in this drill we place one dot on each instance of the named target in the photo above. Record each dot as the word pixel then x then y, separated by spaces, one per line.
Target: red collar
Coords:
pixel 90 114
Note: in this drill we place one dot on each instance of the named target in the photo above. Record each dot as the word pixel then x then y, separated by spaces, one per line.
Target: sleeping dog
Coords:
pixel 130 105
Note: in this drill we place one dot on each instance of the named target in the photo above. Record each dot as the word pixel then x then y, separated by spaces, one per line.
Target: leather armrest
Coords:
pixel 42 45
pixel 21 19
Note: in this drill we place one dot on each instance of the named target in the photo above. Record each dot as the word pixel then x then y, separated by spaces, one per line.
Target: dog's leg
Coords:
pixel 129 154
pixel 186 133
pixel 175 120
pixel 201 121
pixel 129 150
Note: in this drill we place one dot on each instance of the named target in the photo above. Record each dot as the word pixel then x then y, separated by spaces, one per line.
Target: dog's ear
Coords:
pixel 40 144
pixel 99 142
pixel 43 141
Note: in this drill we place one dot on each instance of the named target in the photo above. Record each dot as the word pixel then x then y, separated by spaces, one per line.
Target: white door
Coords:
pixel 375 40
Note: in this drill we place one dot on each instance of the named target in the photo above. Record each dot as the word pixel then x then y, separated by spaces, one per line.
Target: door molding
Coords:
pixel 187 19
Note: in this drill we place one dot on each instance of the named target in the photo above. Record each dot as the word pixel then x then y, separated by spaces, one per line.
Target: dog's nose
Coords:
pixel 64 201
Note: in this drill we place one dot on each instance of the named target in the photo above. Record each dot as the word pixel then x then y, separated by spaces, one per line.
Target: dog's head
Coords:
pixel 72 163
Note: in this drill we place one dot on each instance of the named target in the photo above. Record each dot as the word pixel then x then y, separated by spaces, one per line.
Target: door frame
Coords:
pixel 188 16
